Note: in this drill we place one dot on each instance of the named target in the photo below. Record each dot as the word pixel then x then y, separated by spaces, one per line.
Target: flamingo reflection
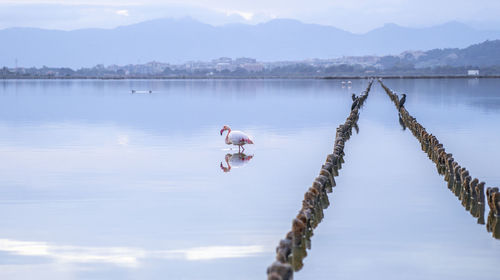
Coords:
pixel 235 160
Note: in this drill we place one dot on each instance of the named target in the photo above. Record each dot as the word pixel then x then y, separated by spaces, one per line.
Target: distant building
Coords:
pixel 224 66
pixel 155 67
pixel 473 73
pixel 222 60
pixel 245 60
pixel 253 67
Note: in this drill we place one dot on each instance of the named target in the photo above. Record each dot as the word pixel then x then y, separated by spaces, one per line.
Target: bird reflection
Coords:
pixel 235 160
pixel 401 122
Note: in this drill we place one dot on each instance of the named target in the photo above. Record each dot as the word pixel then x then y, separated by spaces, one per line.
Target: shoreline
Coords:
pixel 253 77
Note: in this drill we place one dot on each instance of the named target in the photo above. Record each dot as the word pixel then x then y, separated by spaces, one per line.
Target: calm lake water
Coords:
pixel 99 183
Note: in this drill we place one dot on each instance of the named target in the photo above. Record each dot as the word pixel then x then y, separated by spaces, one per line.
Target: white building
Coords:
pixel 473 73
pixel 225 66
pixel 253 67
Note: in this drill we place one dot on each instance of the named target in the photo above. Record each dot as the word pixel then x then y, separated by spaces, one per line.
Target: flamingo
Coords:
pixel 235 160
pixel 236 137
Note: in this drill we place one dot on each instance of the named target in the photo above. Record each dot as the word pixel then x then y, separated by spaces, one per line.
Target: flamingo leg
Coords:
pixel 243 148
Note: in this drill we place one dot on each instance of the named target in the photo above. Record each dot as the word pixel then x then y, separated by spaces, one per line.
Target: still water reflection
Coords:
pixel 98 183
pixel 392 215
pixel 122 256
pixel 469 191
pixel 235 161
pixel 93 177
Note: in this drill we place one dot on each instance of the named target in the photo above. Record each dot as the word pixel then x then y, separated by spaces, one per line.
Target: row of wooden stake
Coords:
pixel 469 190
pixel 292 249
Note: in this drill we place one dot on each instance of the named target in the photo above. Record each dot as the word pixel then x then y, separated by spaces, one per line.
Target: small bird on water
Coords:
pixel 237 138
pixel 402 101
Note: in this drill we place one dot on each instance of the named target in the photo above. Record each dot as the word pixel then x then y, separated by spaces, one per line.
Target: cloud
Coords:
pixel 65 17
pixel 245 15
pixel 122 13
pixel 70 3
pixel 123 140
pixel 357 16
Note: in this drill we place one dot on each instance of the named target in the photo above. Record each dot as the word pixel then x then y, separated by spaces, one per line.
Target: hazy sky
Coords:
pixel 353 15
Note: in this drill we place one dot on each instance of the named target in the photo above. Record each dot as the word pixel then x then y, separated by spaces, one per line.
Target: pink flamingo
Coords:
pixel 236 137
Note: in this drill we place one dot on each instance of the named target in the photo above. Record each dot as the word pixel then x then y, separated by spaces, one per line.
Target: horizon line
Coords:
pixel 183 18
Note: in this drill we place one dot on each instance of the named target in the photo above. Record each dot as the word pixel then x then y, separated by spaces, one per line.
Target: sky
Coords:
pixel 355 15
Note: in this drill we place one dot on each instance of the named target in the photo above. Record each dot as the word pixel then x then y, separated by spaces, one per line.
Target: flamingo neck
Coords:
pixel 228 168
pixel 227 135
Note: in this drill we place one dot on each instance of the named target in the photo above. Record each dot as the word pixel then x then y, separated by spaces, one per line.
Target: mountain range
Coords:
pixel 181 40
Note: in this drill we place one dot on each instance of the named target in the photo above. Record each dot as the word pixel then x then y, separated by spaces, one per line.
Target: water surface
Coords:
pixel 99 183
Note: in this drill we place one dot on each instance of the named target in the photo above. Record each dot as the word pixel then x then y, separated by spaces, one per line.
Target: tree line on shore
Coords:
pixel 295 70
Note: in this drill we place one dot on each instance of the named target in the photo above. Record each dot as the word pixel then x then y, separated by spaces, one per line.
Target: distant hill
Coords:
pixel 177 41
pixel 480 55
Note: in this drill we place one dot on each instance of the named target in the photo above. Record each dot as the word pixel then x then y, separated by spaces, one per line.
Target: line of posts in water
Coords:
pixel 469 191
pixel 292 250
